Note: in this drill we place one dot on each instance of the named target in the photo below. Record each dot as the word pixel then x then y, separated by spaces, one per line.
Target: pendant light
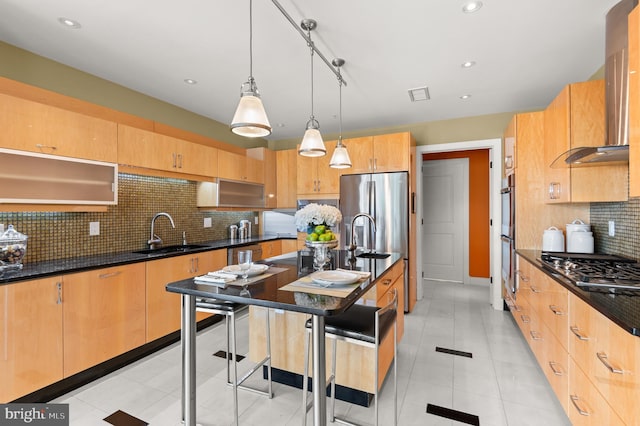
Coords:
pixel 250 119
pixel 340 158
pixel 312 144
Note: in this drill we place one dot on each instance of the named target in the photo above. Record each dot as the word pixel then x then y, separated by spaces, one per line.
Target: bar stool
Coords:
pixel 229 311
pixel 361 325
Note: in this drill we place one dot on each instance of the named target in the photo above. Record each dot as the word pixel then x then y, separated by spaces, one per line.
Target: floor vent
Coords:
pixel 459 416
pixel 120 418
pixel 454 352
pixel 223 354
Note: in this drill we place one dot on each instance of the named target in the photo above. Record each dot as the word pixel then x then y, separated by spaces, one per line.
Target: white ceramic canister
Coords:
pixel 553 239
pixel 581 242
pixel 576 225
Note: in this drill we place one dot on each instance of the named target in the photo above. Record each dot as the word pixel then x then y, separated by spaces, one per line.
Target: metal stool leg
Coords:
pixel 235 368
pixel 305 380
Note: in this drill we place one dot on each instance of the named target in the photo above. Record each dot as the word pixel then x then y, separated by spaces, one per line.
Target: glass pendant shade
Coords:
pixel 340 158
pixel 312 144
pixel 250 119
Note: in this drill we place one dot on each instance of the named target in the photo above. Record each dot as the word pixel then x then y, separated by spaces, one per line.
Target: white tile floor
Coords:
pixel 501 383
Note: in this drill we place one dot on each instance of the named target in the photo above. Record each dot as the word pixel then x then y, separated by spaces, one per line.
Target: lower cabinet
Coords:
pixel 104 315
pixel 163 308
pixel 30 336
pixel 355 363
pixel 271 248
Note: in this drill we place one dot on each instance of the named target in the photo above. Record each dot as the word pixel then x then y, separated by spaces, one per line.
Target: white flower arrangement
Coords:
pixel 317 214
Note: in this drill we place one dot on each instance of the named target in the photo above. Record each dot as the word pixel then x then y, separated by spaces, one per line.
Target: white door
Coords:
pixel 445 209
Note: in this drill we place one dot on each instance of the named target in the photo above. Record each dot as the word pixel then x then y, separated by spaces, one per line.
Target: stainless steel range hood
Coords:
pixel 616 145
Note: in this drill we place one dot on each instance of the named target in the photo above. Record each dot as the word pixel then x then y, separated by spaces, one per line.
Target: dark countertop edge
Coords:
pixel 50 268
pixel 355 295
pixel 533 256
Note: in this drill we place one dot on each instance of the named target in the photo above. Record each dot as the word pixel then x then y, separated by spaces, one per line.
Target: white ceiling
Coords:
pixel 525 52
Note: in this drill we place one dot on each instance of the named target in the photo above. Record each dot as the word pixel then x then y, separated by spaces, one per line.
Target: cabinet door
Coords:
pixel 271 248
pixel 196 159
pixel 253 170
pixel 391 152
pixel 36 127
pixel 142 148
pixel 286 178
pixel 634 102
pixel 31 336
pixel 163 308
pixel 104 315
pixel 361 154
pixel 557 181
pixel 509 150
pixel 328 177
pixel 307 173
pixel 231 165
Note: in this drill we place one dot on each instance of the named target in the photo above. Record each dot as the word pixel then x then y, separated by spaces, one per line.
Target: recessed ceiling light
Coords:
pixel 472 6
pixel 468 64
pixel 419 94
pixel 280 124
pixel 465 97
pixel 190 81
pixel 70 23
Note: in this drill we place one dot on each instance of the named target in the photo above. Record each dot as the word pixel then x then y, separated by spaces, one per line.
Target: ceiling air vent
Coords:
pixel 419 94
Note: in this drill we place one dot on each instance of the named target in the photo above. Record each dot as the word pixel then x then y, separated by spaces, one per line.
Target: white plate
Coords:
pixel 329 278
pixel 253 271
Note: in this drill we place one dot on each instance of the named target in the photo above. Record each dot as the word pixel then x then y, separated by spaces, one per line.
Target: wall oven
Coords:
pixel 507 231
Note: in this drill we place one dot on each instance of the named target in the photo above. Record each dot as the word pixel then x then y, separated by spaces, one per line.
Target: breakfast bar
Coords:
pixel 270 292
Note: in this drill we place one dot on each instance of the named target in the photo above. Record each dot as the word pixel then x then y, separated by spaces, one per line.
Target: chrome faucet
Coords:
pixel 353 245
pixel 154 240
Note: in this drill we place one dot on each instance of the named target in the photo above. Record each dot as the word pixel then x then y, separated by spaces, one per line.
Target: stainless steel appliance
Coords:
pixel 596 272
pixel 508 236
pixel 384 196
pixel 232 253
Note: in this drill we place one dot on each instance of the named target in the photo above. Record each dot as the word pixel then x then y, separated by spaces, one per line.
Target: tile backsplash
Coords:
pixel 626 216
pixel 126 226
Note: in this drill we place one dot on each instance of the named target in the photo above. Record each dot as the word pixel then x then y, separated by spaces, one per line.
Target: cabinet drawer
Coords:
pixel 586 405
pixel 554 310
pixel 384 284
pixel 522 314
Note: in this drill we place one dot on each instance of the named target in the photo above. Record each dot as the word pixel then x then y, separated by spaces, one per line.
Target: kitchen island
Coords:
pixel 268 293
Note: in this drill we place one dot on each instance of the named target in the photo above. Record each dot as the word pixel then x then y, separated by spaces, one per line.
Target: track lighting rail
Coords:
pixel 309 42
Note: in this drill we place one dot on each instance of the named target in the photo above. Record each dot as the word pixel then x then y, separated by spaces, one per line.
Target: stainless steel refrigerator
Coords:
pixel 385 196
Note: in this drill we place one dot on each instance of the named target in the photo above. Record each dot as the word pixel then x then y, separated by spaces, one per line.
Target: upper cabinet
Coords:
pixel 36 127
pixel 382 153
pixel 150 150
pixel 239 167
pixel 575 118
pixel 286 178
pixel 634 102
pixel 316 179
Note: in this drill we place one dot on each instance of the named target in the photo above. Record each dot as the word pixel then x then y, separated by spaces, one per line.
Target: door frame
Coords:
pixel 495 181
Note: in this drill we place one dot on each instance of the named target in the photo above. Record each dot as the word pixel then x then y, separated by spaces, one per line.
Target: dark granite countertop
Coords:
pixel 267 292
pixel 77 264
pixel 621 309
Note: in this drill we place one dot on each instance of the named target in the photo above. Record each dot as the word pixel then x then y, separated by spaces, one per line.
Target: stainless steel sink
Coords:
pixel 372 255
pixel 171 249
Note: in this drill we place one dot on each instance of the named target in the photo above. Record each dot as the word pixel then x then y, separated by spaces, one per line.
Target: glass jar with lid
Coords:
pixel 13 247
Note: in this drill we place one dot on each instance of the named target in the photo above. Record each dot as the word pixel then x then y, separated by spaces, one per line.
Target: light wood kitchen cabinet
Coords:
pixel 382 153
pixel 31 336
pixel 608 356
pixel 239 167
pixel 163 308
pixel 271 248
pixel 509 149
pixel 355 363
pixel 286 178
pixel 104 315
pixel 36 127
pixel 634 102
pixel 316 179
pixel 289 246
pixel 150 150
pixel 575 118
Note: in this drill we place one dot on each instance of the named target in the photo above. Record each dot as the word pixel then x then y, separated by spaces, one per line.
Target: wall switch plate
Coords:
pixel 612 228
pixel 207 222
pixel 94 228
pixel 255 220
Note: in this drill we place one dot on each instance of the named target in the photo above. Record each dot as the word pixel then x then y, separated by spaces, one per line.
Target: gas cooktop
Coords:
pixel 596 272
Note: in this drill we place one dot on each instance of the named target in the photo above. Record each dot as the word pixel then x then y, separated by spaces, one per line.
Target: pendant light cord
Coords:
pixel 250 40
pixel 310 43
pixel 340 109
